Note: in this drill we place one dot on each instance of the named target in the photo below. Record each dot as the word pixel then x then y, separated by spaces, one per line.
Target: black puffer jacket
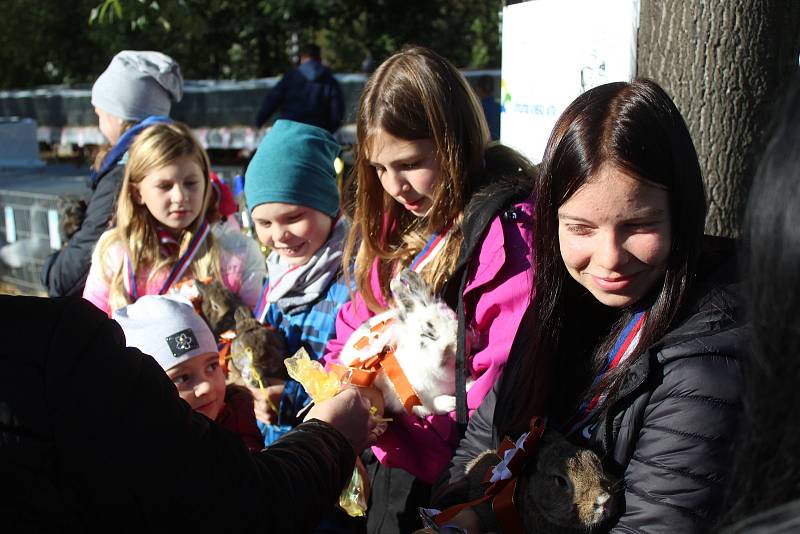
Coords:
pixel 64 272
pixel 93 437
pixel 669 431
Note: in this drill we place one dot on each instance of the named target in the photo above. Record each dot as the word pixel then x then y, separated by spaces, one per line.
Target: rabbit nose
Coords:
pixel 601 504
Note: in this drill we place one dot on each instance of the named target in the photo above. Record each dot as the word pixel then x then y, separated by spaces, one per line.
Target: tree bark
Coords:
pixel 723 62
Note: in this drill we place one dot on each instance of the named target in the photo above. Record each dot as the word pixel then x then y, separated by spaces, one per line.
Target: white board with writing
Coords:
pixel 554 50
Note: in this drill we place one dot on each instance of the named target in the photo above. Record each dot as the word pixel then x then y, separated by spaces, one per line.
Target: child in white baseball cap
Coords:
pixel 167 328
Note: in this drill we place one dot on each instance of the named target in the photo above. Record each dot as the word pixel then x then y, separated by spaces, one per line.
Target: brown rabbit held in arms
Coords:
pixel 563 488
pixel 264 343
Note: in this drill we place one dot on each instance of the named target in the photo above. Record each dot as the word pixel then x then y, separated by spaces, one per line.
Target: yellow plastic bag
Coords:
pixel 318 383
pixel 321 386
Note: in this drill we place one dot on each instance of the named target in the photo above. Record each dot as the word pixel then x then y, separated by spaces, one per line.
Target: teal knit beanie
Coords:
pixel 294 165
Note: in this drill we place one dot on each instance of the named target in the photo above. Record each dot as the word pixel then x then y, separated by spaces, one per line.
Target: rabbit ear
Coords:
pixel 241 314
pixel 415 284
pixel 409 290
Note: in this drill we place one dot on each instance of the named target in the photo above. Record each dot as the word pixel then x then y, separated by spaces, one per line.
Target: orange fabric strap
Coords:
pixel 398 379
pixel 358 376
pixel 365 372
pixel 224 353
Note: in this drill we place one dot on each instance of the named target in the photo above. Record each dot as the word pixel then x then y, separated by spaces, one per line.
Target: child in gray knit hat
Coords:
pixel 136 85
pixel 136 90
pixel 168 329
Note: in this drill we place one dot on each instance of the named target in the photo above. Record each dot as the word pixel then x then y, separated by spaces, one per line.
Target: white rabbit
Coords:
pixel 423 332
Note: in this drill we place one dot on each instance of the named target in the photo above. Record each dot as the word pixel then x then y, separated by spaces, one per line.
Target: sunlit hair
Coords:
pixel 636 128
pixel 155 147
pixel 414 95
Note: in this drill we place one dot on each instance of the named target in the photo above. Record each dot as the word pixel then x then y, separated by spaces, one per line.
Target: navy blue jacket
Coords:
pixel 308 94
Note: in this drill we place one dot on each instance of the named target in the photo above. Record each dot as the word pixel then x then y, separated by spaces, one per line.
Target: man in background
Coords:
pixel 491 108
pixel 308 93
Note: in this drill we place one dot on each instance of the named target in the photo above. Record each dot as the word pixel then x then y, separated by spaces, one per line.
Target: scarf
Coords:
pixel 293 287
pixel 123 144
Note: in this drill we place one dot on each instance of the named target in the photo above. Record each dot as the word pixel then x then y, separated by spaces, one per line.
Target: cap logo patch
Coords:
pixel 182 342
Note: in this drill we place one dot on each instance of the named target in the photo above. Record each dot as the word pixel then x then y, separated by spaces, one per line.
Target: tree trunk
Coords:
pixel 723 63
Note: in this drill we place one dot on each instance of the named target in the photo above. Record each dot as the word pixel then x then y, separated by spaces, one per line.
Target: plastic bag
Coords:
pixel 321 386
pixel 318 383
pixel 354 497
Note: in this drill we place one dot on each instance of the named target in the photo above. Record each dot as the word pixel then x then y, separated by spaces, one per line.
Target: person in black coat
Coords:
pixel 93 436
pixel 136 90
pixel 764 488
pixel 309 93
pixel 635 311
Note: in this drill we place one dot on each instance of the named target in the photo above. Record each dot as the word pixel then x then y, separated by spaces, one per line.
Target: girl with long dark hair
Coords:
pixel 634 309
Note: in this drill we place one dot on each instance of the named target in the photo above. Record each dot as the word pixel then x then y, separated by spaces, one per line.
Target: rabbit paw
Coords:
pixel 444 404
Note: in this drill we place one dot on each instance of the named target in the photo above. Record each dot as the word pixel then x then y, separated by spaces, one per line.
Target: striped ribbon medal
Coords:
pixel 177 270
pixel 434 245
pixel 624 347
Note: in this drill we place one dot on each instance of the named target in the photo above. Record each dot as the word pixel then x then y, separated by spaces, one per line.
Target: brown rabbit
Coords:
pixel 563 488
pixel 219 305
pixel 265 343
pixel 71 212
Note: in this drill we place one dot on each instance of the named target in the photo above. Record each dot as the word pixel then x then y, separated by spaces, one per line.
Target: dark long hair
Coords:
pixel 766 469
pixel 636 128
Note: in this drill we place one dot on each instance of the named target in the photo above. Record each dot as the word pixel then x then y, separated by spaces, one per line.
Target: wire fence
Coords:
pixel 29 232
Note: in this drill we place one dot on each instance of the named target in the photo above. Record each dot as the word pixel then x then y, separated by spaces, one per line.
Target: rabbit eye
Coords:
pixel 560 481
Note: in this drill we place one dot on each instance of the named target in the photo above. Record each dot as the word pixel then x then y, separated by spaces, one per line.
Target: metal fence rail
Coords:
pixel 28 234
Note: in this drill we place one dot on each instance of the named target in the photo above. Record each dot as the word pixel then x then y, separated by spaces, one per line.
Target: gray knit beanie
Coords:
pixel 167 328
pixel 137 85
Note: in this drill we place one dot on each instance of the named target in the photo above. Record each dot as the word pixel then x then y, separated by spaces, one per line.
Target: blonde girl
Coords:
pixel 165 229
pixel 433 195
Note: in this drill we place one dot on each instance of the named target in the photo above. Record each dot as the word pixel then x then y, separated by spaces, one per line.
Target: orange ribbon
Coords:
pixel 363 374
pixel 501 492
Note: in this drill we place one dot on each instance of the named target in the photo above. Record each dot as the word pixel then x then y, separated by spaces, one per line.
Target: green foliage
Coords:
pixel 69 41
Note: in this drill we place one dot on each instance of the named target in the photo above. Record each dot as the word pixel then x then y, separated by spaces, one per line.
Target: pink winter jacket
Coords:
pixel 241 263
pixel 498 291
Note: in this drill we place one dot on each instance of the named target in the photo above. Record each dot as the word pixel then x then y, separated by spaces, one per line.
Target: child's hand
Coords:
pixel 349 413
pixel 266 402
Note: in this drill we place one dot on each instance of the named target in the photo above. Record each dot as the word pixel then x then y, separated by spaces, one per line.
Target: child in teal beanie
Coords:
pixel 291 193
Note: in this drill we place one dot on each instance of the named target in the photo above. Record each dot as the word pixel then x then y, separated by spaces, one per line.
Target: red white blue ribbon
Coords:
pixel 624 347
pixel 177 270
pixel 260 311
pixel 434 245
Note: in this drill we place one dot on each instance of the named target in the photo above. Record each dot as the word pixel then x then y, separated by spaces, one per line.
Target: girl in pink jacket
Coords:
pixel 432 193
pixel 163 232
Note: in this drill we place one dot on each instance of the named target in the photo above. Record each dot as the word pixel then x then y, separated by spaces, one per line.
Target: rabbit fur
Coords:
pixel 223 311
pixel 265 343
pixel 424 335
pixel 71 212
pixel 219 304
pixel 563 488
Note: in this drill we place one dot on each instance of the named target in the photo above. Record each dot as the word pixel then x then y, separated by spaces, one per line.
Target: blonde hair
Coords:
pixel 156 146
pixel 414 95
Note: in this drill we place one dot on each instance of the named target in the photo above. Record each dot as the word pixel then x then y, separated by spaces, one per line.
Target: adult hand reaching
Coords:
pixel 349 413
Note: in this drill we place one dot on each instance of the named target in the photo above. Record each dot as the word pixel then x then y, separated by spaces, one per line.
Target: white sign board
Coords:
pixel 554 50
